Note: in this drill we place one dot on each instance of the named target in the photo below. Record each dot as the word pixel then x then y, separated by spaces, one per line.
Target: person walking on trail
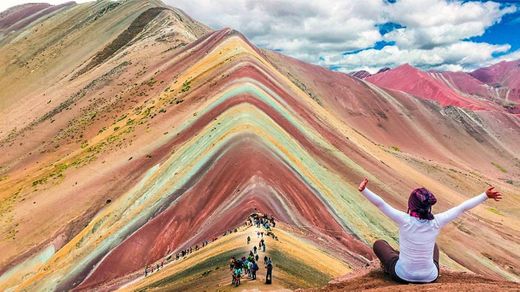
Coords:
pixel 254 249
pixel 244 265
pixel 232 263
pixel 236 271
pixel 248 239
pixel 418 258
pixel 251 266
pixel 269 271
pixel 254 268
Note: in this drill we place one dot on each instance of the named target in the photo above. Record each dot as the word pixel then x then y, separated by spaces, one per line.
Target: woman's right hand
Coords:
pixel 363 184
pixel 492 194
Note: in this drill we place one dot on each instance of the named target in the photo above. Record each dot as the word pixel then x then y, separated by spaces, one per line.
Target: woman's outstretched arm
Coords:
pixel 397 216
pixel 448 216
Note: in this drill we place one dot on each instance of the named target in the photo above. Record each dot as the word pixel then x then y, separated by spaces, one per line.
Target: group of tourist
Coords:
pixel 249 265
pixel 264 221
pixel 150 269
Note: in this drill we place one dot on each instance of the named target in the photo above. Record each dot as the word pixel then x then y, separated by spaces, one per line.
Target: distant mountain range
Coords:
pixel 485 88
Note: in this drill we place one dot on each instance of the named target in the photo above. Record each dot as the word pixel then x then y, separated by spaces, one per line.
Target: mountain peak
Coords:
pixel 406 66
pixel 505 73
pixel 361 74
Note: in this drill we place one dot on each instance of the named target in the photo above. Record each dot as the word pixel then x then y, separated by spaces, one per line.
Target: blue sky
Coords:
pixel 505 32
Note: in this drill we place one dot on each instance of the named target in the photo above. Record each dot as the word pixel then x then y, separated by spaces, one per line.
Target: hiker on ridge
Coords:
pixel 250 268
pixel 269 273
pixel 254 268
pixel 418 258
pixel 232 263
pixel 236 271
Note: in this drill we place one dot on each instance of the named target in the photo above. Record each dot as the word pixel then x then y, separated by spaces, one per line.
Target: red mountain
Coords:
pixel 504 76
pixel 452 88
pixel 422 84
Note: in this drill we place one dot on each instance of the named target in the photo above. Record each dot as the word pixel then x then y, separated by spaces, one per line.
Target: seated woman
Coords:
pixel 418 258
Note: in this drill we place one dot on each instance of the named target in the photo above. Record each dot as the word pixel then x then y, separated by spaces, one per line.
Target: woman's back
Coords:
pixel 416 242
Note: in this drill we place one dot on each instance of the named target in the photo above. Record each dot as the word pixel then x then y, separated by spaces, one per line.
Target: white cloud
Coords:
pixel 303 29
pixel 512 56
pixel 456 56
pixel 434 33
pixel 430 23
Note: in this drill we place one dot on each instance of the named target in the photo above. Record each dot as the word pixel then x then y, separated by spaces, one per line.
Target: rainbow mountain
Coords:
pixel 131 132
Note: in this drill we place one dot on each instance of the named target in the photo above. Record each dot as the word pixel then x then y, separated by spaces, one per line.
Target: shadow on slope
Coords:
pixel 136 27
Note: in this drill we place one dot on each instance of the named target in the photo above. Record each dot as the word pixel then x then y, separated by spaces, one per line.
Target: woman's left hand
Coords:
pixel 492 194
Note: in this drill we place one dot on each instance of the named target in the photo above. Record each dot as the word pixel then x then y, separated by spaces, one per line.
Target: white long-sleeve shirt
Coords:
pixel 417 237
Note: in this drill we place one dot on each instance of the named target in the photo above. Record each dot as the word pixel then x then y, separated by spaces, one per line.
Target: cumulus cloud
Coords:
pixel 429 23
pixel 304 29
pixel 455 57
pixel 431 34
